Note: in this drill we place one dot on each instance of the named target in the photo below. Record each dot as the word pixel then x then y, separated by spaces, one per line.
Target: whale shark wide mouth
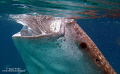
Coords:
pixel 39 25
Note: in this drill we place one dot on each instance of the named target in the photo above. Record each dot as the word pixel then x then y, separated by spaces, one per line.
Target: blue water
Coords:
pixel 103 26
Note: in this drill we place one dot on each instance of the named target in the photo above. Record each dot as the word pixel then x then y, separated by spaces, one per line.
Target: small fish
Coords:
pixel 57 45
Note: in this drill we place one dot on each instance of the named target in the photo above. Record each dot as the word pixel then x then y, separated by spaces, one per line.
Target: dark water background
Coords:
pixel 99 19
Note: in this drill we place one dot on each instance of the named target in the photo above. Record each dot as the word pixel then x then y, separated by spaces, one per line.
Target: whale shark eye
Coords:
pixel 83 45
pixel 97 60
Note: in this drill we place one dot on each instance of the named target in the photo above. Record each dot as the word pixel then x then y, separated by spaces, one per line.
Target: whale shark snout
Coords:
pixel 40 25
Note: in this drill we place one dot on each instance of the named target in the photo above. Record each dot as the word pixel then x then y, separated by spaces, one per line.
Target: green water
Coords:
pixel 64 8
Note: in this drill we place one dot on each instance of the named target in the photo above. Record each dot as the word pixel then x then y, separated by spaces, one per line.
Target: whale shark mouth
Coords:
pixel 39 25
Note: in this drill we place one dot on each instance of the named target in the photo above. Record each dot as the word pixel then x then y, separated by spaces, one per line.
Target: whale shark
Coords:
pixel 57 45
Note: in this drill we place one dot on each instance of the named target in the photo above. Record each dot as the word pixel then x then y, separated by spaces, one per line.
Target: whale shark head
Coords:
pixel 57 45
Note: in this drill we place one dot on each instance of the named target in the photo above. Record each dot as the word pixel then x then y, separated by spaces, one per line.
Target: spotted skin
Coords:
pixel 91 49
pixel 65 52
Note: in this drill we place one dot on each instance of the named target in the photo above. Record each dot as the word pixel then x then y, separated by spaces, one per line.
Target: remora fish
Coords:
pixel 57 45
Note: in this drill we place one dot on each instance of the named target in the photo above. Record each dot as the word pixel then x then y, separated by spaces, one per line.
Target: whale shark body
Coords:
pixel 57 45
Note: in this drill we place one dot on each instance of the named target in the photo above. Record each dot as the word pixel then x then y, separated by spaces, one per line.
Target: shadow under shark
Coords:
pixel 57 45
